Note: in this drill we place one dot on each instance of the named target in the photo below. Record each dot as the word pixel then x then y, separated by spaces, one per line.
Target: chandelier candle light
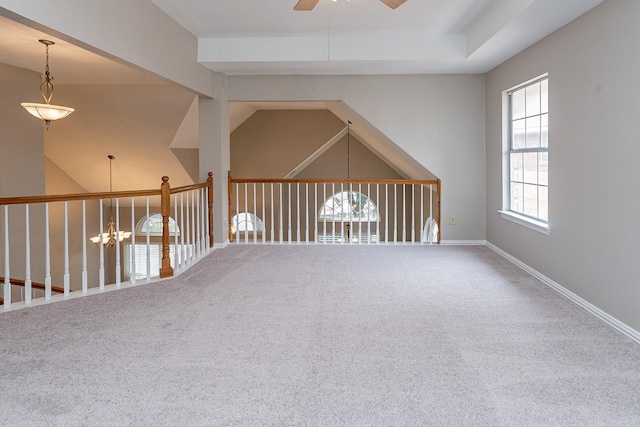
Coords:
pixel 112 236
pixel 47 111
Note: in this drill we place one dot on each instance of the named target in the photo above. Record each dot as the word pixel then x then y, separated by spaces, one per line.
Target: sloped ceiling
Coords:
pixel 135 123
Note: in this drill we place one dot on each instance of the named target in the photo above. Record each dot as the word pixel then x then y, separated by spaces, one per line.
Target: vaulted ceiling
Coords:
pixel 245 37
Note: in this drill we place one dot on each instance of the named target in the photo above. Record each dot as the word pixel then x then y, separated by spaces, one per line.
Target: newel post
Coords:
pixel 210 207
pixel 165 210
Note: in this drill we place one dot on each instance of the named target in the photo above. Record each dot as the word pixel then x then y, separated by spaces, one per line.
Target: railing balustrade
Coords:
pixel 45 238
pixel 334 211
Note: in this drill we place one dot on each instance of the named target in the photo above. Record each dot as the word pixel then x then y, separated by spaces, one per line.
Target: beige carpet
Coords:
pixel 321 335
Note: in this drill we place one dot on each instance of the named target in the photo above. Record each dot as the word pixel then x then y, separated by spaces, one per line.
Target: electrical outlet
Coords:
pixel 452 220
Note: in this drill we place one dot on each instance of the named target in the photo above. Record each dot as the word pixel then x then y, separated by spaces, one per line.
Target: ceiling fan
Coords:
pixel 310 4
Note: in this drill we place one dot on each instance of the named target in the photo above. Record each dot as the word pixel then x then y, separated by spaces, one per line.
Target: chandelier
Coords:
pixel 47 111
pixel 111 237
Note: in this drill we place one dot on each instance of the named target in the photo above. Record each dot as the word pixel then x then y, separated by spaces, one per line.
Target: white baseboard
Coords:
pixel 464 242
pixel 607 318
pixel 221 245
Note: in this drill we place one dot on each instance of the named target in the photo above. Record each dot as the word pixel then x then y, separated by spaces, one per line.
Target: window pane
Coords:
pixel 531 200
pixel 544 97
pixel 543 202
pixel 544 130
pixel 517 104
pixel 531 168
pixel 543 168
pixel 533 99
pixel 518 134
pixel 517 166
pixel 517 200
pixel 533 132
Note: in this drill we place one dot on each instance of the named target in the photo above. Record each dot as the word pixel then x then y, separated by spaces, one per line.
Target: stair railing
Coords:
pixel 319 211
pixel 20 232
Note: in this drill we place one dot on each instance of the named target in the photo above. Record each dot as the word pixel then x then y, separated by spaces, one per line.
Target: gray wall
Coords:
pixel 22 170
pixel 594 102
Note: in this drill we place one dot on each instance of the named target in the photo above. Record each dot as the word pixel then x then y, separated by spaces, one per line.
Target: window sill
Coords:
pixel 538 226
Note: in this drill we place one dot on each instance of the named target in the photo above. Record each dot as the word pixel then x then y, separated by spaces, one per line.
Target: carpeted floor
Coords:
pixel 321 335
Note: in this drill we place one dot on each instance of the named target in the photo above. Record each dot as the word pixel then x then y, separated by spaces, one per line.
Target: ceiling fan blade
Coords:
pixel 393 3
pixel 305 4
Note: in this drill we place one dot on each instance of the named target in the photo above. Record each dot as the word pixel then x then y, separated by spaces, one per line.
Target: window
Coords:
pixel 153 223
pixel 349 206
pixel 347 217
pixel 528 189
pixel 246 221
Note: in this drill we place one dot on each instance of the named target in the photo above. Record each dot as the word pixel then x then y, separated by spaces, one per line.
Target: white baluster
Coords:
pixel 413 207
pixel 264 218
pixel 101 248
pixel 360 213
pixel 386 213
pixel 255 215
pixel 148 236
pixel 193 226
pixel 315 213
pixel 404 213
pixel 47 255
pixel 7 273
pixel 133 251
pixel 421 212
pixel 281 215
pixel 289 213
pixel 176 253
pixel 27 256
pixel 306 209
pixel 245 213
pixel 395 213
pixel 273 220
pixel 342 214
pixel 368 215
pixel 378 212
pixel 118 272
pixel 298 213
pixel 237 233
pixel 205 230
pixel 84 278
pixel 431 208
pixel 66 250
pixel 182 232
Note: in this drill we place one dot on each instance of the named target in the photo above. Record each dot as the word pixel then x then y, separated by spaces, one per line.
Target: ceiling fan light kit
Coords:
pixel 306 5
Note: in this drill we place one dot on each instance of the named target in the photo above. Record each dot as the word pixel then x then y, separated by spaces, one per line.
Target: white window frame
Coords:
pixel 534 223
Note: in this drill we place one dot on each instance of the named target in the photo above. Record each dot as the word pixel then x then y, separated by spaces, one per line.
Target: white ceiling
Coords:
pixel 365 36
pixel 343 37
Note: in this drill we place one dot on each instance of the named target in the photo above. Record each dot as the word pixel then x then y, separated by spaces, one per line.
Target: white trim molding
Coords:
pixel 531 223
pixel 607 318
pixel 464 242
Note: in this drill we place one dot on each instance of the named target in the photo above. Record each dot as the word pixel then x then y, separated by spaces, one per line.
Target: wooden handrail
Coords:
pixel 35 285
pixel 331 180
pixel 76 197
pixel 164 192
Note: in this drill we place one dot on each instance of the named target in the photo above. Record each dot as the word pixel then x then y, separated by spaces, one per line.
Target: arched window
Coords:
pixel 153 223
pixel 138 252
pixel 349 206
pixel 245 221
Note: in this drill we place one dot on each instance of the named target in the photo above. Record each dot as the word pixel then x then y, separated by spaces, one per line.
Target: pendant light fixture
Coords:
pixel 111 237
pixel 47 111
